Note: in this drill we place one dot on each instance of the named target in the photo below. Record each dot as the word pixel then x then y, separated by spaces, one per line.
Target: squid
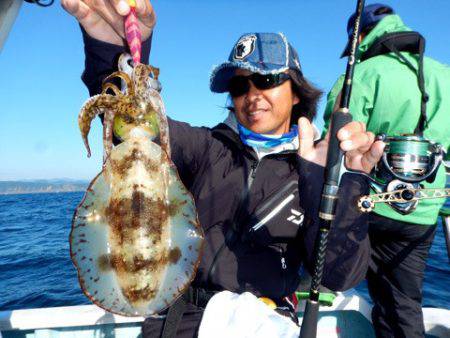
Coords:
pixel 136 240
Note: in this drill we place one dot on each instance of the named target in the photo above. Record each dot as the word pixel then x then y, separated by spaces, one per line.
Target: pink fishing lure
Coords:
pixel 133 33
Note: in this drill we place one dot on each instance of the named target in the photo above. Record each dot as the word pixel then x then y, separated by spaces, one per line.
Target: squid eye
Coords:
pixel 128 119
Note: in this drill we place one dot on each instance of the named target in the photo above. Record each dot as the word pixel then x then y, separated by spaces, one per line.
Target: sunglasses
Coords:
pixel 239 85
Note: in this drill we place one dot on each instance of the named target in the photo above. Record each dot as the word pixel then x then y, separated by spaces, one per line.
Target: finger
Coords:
pixel 109 11
pixel 305 137
pixel 87 17
pixel 371 139
pixel 121 6
pixel 359 142
pixel 373 156
pixel 77 8
pixel 349 129
pixel 145 12
pixel 142 7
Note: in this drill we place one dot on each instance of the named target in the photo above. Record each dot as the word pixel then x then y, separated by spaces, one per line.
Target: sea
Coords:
pixel 36 270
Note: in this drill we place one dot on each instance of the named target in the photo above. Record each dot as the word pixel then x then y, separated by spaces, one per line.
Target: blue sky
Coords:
pixel 42 60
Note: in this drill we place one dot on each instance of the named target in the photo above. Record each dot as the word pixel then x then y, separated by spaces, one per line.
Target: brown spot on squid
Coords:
pixel 104 263
pixel 146 213
pixel 135 295
pixel 174 255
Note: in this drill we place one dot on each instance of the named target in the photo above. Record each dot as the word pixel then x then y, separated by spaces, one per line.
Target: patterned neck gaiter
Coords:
pixel 253 139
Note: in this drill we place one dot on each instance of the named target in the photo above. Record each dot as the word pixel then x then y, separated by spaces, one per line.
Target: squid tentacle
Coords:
pixel 124 76
pixel 112 87
pixel 108 123
pixel 93 107
pixel 154 71
pixel 163 131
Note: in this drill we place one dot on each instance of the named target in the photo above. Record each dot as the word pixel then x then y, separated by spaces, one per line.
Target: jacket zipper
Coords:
pixel 283 266
pixel 252 174
pixel 283 263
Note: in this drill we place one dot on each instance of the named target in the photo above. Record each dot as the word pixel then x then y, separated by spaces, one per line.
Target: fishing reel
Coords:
pixel 407 161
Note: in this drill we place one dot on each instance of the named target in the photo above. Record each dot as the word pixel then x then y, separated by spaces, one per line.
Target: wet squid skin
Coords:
pixel 139 106
pixel 135 238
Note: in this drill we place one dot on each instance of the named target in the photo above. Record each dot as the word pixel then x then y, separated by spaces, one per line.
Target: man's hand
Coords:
pixel 362 153
pixel 104 19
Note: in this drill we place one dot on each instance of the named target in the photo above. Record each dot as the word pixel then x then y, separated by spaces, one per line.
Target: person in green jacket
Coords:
pixel 386 96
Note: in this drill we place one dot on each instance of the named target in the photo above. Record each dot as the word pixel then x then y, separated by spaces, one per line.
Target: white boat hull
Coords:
pixel 348 317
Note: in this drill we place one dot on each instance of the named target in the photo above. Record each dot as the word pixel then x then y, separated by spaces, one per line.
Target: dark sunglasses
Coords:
pixel 239 85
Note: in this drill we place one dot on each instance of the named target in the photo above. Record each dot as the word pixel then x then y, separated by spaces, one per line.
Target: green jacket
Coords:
pixel 386 96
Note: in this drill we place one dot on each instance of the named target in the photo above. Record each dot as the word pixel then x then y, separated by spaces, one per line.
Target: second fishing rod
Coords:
pixel 330 190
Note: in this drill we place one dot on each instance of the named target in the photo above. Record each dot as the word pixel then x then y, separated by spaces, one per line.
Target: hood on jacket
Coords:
pixel 389 24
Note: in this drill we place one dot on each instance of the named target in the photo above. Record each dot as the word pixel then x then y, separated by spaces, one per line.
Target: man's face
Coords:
pixel 265 111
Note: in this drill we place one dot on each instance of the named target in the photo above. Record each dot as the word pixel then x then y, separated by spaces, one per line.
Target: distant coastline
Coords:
pixel 42 186
pixel 68 185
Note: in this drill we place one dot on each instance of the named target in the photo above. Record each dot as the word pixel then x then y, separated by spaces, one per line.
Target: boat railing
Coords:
pixel 81 320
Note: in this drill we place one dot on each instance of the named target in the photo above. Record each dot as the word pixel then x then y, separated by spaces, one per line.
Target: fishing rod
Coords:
pixel 331 186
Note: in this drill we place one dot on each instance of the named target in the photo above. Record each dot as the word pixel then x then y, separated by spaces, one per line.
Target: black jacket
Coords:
pixel 271 204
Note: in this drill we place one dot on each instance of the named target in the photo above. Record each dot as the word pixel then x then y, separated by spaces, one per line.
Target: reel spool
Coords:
pixel 407 160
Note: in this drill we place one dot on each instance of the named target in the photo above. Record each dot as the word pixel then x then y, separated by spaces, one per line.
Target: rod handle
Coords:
pixel 333 168
pixel 310 318
pixel 338 120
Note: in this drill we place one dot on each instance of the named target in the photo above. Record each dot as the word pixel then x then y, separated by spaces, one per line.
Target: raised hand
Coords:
pixel 104 19
pixel 362 153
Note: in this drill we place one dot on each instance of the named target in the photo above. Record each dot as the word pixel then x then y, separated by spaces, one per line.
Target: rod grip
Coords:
pixel 333 168
pixel 310 318
pixel 338 120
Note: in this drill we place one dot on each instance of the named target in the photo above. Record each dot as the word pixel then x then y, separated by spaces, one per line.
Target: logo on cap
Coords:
pixel 244 47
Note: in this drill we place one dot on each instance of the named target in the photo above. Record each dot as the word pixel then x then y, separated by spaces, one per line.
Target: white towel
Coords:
pixel 228 314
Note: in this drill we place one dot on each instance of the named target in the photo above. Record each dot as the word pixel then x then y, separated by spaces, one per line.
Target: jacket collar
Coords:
pixel 260 152
pixel 231 123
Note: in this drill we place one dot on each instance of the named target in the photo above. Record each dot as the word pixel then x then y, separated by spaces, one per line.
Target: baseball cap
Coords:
pixel 263 53
pixel 371 15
